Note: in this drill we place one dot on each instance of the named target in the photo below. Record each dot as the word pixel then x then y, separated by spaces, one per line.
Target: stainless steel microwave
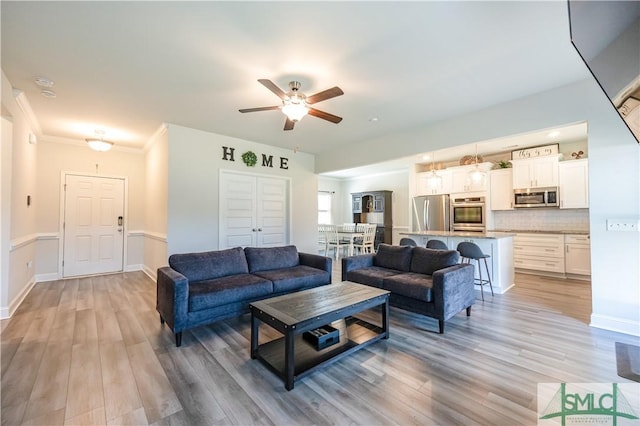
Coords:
pixel 536 197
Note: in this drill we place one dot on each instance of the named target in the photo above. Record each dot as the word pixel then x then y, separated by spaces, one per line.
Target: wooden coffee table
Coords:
pixel 291 357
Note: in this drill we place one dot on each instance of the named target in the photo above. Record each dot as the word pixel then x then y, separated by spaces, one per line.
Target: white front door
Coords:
pixel 93 225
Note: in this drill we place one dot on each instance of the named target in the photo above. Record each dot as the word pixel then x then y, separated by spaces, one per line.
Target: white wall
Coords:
pixel 398 182
pixel 195 160
pixel 614 179
pixel 19 181
pixel 156 201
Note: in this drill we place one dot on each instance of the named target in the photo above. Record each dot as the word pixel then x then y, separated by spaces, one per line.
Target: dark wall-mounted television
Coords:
pixel 606 34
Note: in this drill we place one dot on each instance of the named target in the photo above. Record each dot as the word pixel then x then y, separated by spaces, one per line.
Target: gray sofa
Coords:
pixel 201 288
pixel 426 281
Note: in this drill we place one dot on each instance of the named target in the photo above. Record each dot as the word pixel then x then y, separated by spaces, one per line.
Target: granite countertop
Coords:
pixel 479 235
pixel 542 231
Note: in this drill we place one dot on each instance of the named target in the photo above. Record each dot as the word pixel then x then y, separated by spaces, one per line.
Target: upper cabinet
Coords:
pixel 574 184
pixel 356 203
pixel 427 185
pixel 501 194
pixel 462 181
pixel 537 172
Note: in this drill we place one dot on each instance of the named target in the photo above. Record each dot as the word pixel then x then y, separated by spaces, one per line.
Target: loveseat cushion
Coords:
pixel 270 258
pixel 372 275
pixel 295 278
pixel 211 264
pixel 221 291
pixel 393 257
pixel 410 284
pixel 427 261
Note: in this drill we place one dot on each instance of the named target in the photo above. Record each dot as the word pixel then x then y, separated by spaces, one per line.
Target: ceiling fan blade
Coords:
pixel 272 86
pixel 288 125
pixel 269 108
pixel 325 115
pixel 324 95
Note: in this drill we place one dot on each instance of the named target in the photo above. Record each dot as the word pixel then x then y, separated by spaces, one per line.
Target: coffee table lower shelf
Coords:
pixel 355 334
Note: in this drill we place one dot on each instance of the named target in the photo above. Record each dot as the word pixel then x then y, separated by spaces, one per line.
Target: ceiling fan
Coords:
pixel 295 104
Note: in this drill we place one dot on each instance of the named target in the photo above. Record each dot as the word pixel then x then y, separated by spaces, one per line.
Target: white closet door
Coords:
pixel 254 211
pixel 238 217
pixel 272 212
pixel 93 225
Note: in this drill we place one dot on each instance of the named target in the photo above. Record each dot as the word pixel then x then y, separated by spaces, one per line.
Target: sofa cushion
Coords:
pixel 393 257
pixel 410 284
pixel 295 278
pixel 210 264
pixel 270 258
pixel 373 275
pixel 427 261
pixel 221 291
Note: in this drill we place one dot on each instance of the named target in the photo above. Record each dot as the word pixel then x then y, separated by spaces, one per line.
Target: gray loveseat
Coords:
pixel 201 288
pixel 426 281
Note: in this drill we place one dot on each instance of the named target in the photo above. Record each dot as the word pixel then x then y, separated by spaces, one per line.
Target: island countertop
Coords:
pixel 479 235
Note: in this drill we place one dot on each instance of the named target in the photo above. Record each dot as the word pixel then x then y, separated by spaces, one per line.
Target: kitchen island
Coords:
pixel 499 245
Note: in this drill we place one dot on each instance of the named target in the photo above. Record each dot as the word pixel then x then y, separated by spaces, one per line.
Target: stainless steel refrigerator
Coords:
pixel 431 213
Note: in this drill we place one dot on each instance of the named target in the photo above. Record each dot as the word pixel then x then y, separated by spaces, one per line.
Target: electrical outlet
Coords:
pixel 623 225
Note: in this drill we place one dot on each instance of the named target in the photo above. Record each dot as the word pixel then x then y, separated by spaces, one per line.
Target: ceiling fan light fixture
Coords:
pixel 295 108
pixel 99 144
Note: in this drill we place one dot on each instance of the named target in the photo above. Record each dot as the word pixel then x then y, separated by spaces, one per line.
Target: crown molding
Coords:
pixel 25 106
pixel 159 132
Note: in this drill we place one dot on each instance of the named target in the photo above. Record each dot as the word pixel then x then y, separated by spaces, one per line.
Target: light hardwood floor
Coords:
pixel 92 351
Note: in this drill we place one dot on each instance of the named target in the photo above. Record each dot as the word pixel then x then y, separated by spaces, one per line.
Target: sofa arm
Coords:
pixel 356 262
pixel 453 290
pixel 172 298
pixel 315 261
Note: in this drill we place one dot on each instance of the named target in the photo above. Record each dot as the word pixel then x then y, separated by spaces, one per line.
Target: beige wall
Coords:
pixel 156 160
pixel 21 226
pixel 54 159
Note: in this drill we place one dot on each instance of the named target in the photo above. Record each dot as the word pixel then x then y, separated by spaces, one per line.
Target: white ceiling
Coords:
pixel 127 67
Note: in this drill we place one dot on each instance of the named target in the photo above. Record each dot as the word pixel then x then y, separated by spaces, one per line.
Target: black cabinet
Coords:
pixel 374 207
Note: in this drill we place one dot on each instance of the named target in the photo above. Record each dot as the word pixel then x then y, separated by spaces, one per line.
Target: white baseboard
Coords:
pixel 615 324
pixel 7 312
pixel 47 277
pixel 150 273
pixel 132 268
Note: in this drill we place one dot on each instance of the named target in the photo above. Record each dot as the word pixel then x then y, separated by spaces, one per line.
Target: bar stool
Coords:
pixel 437 244
pixel 407 242
pixel 470 251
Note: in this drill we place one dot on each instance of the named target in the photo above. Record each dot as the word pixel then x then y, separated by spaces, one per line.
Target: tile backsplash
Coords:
pixel 542 219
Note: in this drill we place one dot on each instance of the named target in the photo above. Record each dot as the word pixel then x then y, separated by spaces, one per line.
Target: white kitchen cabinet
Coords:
pixel 573 177
pixel 462 182
pixel 577 254
pixel 425 185
pixel 539 252
pixel 501 193
pixel 537 172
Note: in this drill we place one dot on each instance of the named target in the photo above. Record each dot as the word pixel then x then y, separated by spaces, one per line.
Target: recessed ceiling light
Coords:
pixel 48 93
pixel 43 82
pixel 553 134
pixel 374 119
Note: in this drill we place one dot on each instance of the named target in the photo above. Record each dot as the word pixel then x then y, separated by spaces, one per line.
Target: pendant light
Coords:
pixel 476 175
pixel 434 179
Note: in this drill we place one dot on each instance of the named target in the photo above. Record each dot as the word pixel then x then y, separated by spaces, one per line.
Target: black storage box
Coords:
pixel 322 337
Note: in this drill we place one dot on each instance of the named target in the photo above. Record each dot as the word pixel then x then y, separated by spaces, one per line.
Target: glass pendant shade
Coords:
pixel 295 108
